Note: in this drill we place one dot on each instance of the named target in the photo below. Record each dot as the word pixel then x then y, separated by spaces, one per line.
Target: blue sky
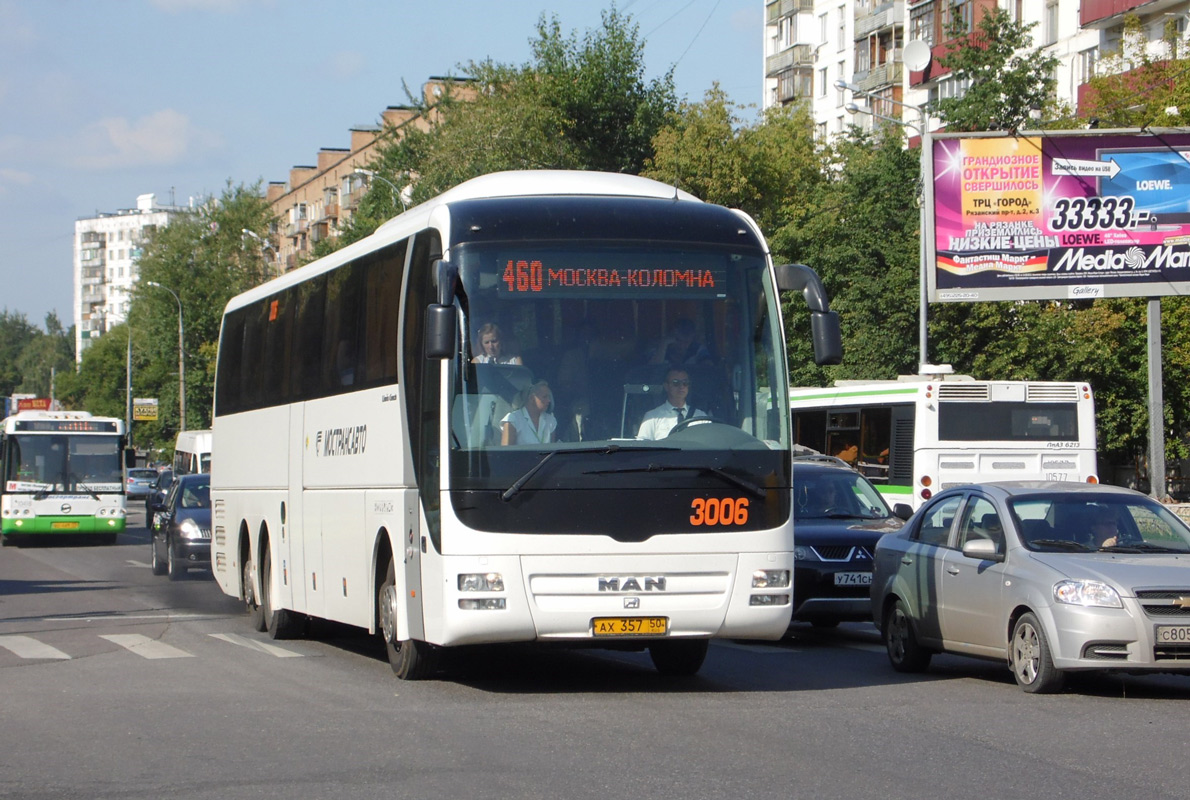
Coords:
pixel 103 100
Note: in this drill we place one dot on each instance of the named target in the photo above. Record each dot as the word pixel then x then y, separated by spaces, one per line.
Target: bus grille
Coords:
pixel 964 391
pixel 1051 393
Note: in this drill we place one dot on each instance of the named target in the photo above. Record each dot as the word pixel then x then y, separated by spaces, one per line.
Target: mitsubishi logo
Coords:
pixel 66 508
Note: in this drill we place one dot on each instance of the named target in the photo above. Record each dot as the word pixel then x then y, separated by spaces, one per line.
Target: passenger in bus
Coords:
pixel 491 345
pixel 846 450
pixel 531 422
pixel 682 347
pixel 660 421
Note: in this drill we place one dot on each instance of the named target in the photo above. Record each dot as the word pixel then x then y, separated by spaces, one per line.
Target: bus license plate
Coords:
pixel 853 579
pixel 630 626
pixel 1173 634
pixel 67 526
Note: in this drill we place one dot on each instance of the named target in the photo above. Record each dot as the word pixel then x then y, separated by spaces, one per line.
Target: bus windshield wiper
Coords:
pixel 511 491
pixel 725 475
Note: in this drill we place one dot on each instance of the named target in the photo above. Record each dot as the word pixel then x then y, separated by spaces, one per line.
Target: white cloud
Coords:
pixel 159 139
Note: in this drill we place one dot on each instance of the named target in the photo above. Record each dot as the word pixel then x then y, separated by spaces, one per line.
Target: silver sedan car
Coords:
pixel 1049 577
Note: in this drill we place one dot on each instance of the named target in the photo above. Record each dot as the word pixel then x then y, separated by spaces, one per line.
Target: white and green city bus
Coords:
pixel 920 434
pixel 63 474
pixel 357 471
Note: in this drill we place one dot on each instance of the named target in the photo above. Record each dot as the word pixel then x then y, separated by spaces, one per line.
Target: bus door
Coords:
pixel 292 587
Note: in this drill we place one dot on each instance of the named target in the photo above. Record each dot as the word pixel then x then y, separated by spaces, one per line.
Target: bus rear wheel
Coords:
pixel 255 610
pixel 679 656
pixel 410 659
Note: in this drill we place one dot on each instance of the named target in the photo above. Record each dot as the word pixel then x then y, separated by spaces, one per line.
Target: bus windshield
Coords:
pixel 650 354
pixel 63 463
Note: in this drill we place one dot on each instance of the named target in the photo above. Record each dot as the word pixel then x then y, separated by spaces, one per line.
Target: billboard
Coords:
pixel 1059 215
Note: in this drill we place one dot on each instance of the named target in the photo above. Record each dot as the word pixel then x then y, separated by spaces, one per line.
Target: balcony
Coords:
pixel 877 78
pixel 800 55
pixel 787 8
pixel 887 15
pixel 319 231
pixel 296 228
pixel 1106 13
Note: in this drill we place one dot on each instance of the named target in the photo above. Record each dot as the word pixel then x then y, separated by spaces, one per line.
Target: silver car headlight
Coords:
pixel 1087 593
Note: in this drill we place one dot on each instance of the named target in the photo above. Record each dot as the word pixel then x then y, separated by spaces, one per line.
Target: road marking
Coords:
pixel 140 564
pixel 252 644
pixel 145 647
pixel 28 647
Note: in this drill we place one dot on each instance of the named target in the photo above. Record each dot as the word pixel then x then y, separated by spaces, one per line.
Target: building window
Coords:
pixel 841 93
pixel 921 24
pixel 1087 60
pixel 1050 24
pixel 960 17
pixel 822 82
pixel 821 130
pixel 842 43
pixel 863 56
pixel 823 31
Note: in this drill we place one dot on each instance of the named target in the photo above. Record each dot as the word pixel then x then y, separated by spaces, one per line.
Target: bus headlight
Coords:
pixel 769 600
pixel 481 582
pixel 770 579
pixel 482 604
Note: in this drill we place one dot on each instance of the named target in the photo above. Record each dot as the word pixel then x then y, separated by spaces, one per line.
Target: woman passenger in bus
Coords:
pixel 492 347
pixel 531 422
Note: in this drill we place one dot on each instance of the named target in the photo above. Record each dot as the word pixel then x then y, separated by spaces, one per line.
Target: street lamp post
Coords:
pixel 181 356
pixel 926 147
pixel 265 244
pixel 398 195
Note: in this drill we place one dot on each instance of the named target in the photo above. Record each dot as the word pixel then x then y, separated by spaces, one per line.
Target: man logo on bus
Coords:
pixel 652 584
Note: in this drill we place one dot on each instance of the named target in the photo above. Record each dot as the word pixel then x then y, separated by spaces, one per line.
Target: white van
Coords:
pixel 192 453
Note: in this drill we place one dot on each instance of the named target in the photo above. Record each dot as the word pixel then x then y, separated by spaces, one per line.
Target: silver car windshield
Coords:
pixel 1089 523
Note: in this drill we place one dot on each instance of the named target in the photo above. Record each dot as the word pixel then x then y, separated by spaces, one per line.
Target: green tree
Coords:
pixel 582 103
pixel 47 355
pixel 15 335
pixel 859 230
pixel 1141 85
pixel 1006 79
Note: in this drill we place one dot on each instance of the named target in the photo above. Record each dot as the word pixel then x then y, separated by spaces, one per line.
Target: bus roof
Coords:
pixel 512 184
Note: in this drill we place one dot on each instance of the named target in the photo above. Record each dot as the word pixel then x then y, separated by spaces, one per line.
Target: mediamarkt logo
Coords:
pixel 1164 257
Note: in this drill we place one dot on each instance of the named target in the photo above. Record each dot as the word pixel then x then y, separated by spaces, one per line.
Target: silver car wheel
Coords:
pixel 1032 663
pixel 1025 653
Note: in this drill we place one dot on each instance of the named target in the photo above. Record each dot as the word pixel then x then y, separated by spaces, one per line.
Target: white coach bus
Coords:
pixel 358 471
pixel 921 434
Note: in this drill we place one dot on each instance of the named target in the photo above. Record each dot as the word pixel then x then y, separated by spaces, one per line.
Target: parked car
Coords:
pixel 838 516
pixel 155 499
pixel 138 482
pixel 1048 577
pixel 181 533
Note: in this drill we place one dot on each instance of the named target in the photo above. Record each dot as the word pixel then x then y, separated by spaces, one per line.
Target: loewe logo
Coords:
pixel 633 584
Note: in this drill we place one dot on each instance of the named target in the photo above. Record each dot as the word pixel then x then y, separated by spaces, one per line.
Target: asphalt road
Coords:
pixel 116 683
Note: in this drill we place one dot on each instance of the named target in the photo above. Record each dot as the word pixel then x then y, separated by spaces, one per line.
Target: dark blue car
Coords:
pixel 838 516
pixel 181 531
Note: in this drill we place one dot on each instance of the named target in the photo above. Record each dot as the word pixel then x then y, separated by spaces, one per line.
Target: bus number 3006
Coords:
pixel 719 511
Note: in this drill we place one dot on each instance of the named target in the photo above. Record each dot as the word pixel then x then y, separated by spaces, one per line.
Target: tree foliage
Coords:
pixel 1141 86
pixel 1006 78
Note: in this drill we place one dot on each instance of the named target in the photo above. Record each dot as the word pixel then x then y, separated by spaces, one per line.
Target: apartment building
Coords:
pixel 318 199
pixel 811 44
pixel 106 249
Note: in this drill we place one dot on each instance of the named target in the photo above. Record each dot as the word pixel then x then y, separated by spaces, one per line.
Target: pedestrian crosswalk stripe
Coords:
pixel 145 647
pixel 28 647
pixel 252 644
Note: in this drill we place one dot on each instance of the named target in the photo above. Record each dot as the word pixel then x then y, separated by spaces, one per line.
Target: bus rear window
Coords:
pixel 1007 422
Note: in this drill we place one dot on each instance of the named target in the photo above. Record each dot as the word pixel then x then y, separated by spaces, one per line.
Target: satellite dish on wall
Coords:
pixel 916 55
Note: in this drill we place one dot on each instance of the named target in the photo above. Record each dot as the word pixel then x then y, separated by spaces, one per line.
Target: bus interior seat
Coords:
pixel 639 398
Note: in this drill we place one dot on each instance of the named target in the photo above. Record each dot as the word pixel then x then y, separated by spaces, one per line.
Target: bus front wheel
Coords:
pixel 410 659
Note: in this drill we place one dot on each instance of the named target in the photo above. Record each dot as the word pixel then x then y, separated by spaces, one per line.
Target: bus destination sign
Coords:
pixel 565 276
pixel 65 426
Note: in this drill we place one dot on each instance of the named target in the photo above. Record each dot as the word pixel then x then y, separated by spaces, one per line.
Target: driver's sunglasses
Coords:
pixel 679 382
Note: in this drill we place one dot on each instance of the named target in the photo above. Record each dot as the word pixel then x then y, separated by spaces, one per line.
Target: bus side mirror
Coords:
pixel 441 317
pixel 129 457
pixel 824 323
pixel 441 324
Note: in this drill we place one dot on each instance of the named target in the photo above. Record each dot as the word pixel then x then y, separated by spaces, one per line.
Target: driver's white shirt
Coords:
pixel 661 420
